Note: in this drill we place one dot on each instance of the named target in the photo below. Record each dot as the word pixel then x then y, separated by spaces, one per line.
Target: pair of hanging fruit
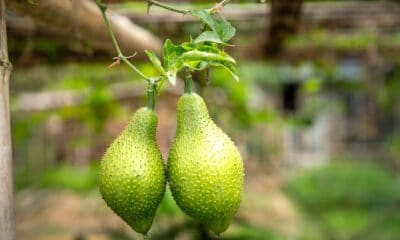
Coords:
pixel 204 168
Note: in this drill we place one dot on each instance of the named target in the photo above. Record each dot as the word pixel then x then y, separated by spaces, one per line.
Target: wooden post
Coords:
pixel 7 231
pixel 284 21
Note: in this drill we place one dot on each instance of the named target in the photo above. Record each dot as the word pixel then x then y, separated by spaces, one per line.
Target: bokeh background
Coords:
pixel 315 115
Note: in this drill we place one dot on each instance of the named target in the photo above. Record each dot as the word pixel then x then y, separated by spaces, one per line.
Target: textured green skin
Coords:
pixel 132 176
pixel 205 170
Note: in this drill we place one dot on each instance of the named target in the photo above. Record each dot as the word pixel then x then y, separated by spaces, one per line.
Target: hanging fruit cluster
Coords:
pixel 204 168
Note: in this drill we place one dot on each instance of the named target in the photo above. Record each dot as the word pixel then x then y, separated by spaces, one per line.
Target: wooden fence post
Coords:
pixel 7 229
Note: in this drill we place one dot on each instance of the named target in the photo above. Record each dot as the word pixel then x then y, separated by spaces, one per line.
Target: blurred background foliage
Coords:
pixel 318 126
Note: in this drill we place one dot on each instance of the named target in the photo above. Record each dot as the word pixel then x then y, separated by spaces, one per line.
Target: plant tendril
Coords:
pixel 120 57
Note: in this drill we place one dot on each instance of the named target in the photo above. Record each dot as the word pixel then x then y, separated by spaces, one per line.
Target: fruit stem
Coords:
pixel 188 80
pixel 144 236
pixel 151 95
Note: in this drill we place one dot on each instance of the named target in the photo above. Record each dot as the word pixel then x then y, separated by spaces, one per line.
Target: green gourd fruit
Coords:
pixel 205 169
pixel 132 176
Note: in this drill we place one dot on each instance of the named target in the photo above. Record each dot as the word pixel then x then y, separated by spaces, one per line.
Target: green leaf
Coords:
pixel 211 48
pixel 196 55
pixel 211 37
pixel 187 46
pixel 208 36
pixel 223 29
pixel 229 67
pixel 196 65
pixel 156 61
pixel 171 53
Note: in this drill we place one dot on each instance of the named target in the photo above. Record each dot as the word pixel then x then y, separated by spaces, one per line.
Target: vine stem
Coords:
pixel 185 11
pixel 224 2
pixel 120 56
pixel 166 6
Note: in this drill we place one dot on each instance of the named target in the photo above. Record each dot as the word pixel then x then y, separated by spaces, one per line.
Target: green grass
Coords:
pixel 62 177
pixel 243 231
pixel 348 198
pixel 342 41
pixel 67 177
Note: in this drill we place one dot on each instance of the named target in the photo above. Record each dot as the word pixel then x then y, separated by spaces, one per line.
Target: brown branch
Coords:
pixel 50 100
pixel 80 22
pixel 346 15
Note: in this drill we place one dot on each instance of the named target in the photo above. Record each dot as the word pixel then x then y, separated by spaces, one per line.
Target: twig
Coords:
pixel 224 2
pixel 120 57
pixel 216 8
pixel 166 6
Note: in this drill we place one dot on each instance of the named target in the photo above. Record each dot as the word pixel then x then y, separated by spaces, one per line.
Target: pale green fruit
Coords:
pixel 132 175
pixel 205 169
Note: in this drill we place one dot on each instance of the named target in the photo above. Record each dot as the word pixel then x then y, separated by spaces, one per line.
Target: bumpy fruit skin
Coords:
pixel 132 176
pixel 205 170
